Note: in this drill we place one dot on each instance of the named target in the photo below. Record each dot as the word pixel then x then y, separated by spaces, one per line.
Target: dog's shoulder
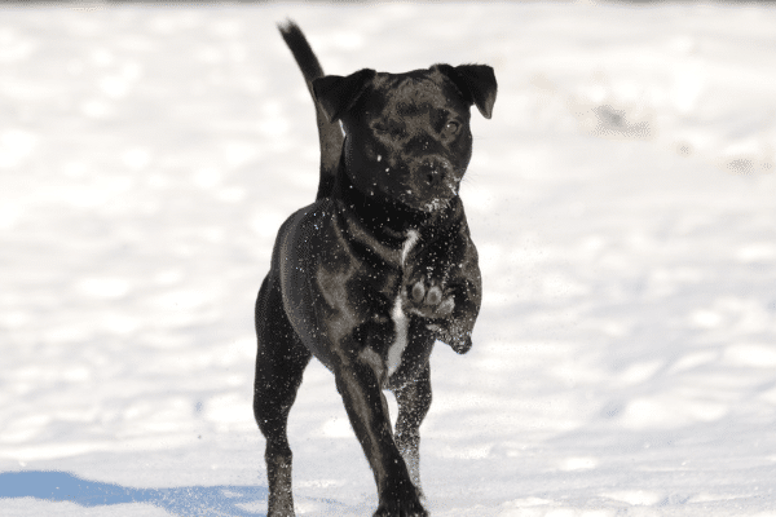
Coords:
pixel 307 223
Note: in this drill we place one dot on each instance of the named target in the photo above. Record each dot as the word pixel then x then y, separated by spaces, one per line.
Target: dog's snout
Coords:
pixel 434 172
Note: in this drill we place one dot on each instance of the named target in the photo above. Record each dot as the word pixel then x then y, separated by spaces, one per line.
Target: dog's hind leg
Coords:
pixel 414 399
pixel 280 363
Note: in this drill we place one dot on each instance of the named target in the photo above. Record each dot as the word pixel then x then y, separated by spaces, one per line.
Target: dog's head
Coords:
pixel 407 135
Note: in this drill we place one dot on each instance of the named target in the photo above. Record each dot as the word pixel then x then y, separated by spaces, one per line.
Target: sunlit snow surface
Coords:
pixel 623 199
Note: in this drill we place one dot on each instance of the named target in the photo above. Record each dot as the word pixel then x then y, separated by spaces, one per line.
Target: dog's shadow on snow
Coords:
pixel 184 501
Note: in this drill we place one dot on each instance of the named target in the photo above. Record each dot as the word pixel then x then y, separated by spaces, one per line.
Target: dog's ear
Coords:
pixel 336 94
pixel 477 84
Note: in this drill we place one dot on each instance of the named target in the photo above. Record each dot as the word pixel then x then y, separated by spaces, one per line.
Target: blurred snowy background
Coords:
pixel 623 199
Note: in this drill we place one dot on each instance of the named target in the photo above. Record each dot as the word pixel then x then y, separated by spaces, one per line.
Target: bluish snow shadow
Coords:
pixel 185 501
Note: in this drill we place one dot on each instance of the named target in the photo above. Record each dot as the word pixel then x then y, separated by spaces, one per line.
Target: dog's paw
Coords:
pixel 385 512
pixel 401 509
pixel 428 300
pixel 400 499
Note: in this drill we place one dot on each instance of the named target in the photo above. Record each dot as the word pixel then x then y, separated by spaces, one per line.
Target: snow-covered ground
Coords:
pixel 623 199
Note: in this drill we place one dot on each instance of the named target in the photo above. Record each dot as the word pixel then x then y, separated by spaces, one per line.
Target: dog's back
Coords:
pixel 329 133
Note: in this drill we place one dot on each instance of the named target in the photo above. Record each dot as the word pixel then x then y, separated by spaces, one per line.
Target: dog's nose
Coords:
pixel 433 176
pixel 433 172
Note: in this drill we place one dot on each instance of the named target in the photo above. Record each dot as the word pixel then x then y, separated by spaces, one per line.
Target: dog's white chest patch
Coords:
pixel 400 320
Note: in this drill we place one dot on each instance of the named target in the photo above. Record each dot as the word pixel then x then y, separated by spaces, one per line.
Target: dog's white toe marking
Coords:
pixel 400 321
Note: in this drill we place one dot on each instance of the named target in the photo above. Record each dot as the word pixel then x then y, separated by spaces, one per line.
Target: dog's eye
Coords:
pixel 451 128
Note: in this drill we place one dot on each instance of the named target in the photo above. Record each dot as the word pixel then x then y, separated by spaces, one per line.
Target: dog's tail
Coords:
pixel 330 134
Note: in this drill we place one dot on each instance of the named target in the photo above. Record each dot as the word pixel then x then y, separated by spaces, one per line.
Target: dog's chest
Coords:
pixel 399 317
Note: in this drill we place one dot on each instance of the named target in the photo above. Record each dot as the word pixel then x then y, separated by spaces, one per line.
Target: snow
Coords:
pixel 622 199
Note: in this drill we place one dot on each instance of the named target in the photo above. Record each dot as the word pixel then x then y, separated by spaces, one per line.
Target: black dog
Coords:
pixel 381 266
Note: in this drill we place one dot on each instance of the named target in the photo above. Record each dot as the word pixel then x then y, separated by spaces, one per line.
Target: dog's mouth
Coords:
pixel 435 205
pixel 432 204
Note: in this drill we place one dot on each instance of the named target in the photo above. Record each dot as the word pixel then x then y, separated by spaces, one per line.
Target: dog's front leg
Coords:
pixel 358 384
pixel 414 400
